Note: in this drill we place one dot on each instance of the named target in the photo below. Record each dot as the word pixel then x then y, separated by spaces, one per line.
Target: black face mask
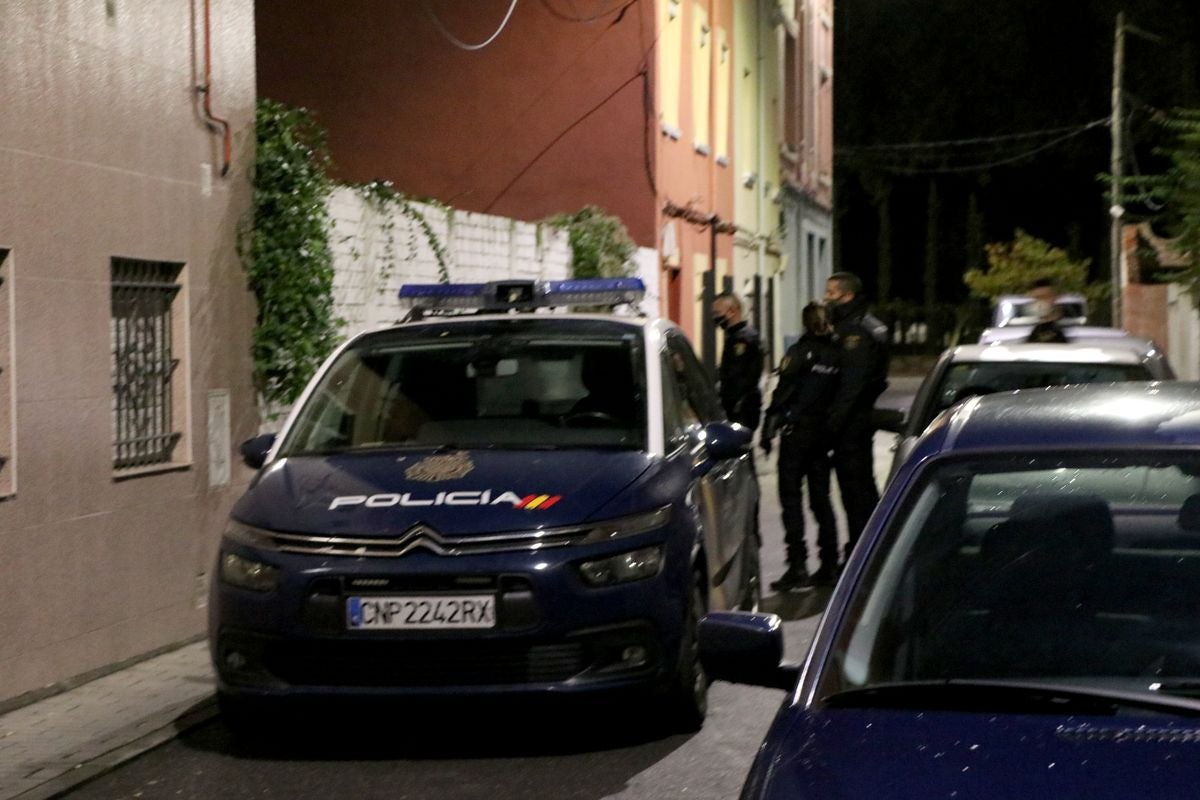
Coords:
pixel 720 322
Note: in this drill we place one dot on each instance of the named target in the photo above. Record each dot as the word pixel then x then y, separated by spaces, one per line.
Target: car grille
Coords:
pixel 473 663
pixel 423 537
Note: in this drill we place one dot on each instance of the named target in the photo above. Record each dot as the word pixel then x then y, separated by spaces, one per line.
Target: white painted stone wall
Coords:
pixel 479 247
pixel 1183 334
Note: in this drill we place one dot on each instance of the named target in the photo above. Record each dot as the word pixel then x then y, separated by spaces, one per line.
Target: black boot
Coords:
pixel 794 578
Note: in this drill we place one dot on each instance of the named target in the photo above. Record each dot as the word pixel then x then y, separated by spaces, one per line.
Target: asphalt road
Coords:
pixel 491 752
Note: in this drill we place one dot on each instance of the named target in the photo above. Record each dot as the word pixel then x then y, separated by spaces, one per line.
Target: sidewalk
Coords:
pixel 56 743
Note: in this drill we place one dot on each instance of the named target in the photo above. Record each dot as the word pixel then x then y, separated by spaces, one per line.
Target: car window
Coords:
pixel 478 391
pixel 699 392
pixel 1034 567
pixel 965 379
pixel 677 412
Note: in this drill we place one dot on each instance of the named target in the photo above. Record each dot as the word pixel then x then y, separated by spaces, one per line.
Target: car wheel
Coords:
pixel 751 574
pixel 687 697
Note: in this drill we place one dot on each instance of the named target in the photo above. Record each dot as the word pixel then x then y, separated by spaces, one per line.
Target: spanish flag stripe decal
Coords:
pixel 526 500
pixel 537 501
pixel 553 499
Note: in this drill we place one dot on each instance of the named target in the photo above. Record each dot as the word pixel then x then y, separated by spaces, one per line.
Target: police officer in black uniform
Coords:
pixel 864 344
pixel 741 362
pixel 799 410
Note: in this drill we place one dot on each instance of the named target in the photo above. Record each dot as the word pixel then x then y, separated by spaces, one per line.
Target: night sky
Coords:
pixel 1027 76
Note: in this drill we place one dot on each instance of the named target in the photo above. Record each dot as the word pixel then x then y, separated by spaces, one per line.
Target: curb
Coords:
pixel 106 762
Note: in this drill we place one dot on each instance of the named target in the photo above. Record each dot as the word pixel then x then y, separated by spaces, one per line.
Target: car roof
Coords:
pixel 1092 416
pixel 1012 333
pixel 1101 351
pixel 436 321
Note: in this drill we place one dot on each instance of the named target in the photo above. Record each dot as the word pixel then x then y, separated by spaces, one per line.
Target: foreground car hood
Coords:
pixel 381 494
pixel 904 755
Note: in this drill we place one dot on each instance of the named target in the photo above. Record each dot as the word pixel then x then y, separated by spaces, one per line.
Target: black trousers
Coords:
pixel 854 463
pixel 803 460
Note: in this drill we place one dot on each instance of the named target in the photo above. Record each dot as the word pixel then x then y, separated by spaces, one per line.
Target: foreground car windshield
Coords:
pixel 478 388
pixel 1081 568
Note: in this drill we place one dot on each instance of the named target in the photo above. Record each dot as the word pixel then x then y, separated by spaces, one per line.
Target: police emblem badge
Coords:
pixel 440 468
pixel 739 348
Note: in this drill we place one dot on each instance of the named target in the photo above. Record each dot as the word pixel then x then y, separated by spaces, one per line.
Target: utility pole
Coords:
pixel 1116 127
pixel 1115 210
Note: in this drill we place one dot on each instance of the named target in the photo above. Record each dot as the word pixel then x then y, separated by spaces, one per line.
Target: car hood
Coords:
pixel 467 492
pixel 906 755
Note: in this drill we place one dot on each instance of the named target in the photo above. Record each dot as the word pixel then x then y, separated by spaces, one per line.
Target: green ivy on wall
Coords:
pixel 284 247
pixel 385 200
pixel 600 244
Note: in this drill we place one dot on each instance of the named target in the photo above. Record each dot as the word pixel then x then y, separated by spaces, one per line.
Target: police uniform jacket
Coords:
pixel 863 340
pixel 741 370
pixel 808 381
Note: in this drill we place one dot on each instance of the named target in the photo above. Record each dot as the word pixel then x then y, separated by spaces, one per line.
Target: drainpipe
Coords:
pixel 215 123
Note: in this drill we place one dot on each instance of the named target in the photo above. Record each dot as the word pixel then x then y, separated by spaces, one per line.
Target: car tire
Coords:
pixel 751 574
pixel 687 696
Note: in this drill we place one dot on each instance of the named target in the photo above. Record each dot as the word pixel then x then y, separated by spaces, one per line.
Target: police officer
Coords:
pixel 799 409
pixel 741 362
pixel 863 340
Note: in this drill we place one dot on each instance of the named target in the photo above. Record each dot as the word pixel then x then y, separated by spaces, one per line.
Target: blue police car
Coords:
pixel 1020 619
pixel 496 498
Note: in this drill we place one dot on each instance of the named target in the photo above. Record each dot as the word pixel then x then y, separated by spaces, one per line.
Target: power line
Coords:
pixel 973 141
pixel 909 169
pixel 458 42
pixel 619 7
pixel 640 74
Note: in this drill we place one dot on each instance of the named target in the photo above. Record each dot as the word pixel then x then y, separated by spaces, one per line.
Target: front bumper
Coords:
pixel 553 634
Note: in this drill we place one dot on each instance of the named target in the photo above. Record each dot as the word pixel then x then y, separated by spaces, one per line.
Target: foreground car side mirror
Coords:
pixel 254 451
pixel 741 647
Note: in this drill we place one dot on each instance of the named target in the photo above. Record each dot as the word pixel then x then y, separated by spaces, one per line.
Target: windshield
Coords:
pixel 969 378
pixel 476 389
pixel 1080 567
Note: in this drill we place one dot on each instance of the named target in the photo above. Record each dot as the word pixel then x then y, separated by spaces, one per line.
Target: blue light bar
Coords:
pixel 594 291
pixel 441 295
pixel 522 295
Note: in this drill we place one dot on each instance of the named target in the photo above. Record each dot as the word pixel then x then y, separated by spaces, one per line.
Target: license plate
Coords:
pixel 426 613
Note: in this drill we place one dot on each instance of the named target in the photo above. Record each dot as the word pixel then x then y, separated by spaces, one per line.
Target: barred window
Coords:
pixel 144 362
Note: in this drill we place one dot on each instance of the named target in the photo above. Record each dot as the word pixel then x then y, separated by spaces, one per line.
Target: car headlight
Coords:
pixel 247 573
pixel 632 566
pixel 628 526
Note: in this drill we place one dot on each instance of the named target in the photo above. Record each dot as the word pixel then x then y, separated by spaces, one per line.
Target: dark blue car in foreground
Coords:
pixel 1020 620
pixel 506 503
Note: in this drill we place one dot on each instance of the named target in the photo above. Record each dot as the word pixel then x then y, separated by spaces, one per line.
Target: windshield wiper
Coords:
pixel 1013 696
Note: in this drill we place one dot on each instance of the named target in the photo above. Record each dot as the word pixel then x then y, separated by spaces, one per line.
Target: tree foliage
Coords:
pixel 1173 196
pixel 285 251
pixel 1014 265
pixel 600 244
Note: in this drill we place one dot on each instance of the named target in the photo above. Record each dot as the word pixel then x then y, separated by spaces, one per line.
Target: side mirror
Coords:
pixel 722 441
pixel 725 440
pixel 889 419
pixel 254 451
pixel 741 647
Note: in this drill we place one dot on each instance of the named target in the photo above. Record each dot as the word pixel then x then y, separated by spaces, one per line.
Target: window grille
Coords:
pixel 143 294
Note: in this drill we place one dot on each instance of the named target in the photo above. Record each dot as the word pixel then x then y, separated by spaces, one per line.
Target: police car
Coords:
pixel 498 496
pixel 1021 617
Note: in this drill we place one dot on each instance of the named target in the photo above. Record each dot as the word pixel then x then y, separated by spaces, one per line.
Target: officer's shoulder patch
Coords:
pixel 739 348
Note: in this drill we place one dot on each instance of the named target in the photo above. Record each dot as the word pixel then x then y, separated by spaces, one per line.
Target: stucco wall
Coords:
pixel 103 155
